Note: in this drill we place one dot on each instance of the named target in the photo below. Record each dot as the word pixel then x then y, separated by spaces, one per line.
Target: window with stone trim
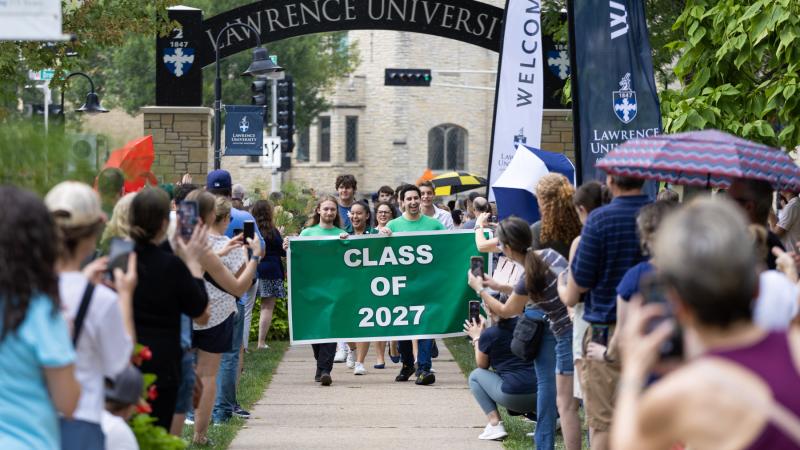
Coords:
pixel 351 138
pixel 303 144
pixel 324 141
pixel 447 147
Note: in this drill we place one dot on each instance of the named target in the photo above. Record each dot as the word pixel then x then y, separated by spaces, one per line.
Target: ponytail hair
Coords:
pixel 149 211
pixel 515 234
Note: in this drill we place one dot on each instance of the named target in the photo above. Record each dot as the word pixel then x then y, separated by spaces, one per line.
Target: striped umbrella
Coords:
pixel 454 182
pixel 707 158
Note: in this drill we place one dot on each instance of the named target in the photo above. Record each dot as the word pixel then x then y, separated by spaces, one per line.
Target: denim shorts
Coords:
pixel 564 365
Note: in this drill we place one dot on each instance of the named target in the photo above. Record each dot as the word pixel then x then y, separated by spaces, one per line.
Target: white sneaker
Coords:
pixel 351 359
pixel 359 369
pixel 341 354
pixel 493 433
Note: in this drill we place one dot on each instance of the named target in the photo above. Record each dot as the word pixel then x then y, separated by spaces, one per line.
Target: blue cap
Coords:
pixel 219 179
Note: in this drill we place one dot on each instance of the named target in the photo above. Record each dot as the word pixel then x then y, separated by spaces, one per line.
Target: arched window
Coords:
pixel 447 147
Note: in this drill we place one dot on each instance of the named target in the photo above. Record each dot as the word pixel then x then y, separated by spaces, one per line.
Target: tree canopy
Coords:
pixel 738 69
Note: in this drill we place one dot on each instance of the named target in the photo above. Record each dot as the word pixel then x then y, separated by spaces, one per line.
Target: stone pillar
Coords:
pixel 557 133
pixel 182 141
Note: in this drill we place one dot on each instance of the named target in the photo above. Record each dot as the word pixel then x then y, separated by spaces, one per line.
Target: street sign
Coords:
pixel 41 75
pixel 271 156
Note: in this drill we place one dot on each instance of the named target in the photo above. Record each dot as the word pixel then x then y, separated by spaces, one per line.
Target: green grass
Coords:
pixel 258 368
pixel 464 355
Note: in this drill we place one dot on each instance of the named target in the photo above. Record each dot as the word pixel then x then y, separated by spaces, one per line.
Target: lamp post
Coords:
pixel 260 66
pixel 92 104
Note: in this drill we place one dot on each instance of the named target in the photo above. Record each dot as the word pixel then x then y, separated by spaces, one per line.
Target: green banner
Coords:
pixel 409 285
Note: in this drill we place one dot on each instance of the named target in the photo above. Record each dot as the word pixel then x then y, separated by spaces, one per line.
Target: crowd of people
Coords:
pixel 672 325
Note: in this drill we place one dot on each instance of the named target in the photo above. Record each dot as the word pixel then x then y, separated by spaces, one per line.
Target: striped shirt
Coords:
pixel 550 303
pixel 609 247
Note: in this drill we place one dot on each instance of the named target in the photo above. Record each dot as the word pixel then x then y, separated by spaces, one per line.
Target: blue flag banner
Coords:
pixel 244 130
pixel 515 190
pixel 616 94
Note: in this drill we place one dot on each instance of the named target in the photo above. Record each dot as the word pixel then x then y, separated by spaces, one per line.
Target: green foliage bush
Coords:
pixel 279 330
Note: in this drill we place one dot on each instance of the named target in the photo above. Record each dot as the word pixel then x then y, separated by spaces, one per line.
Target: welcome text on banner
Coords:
pixel 407 286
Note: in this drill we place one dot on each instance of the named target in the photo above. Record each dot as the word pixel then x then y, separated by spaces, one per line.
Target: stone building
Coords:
pixel 390 134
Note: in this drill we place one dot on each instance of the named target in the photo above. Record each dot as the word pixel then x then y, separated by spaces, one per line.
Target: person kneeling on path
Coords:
pixel 413 220
pixel 512 384
pixel 325 222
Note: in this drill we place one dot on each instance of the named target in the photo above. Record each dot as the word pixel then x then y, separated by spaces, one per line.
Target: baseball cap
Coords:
pixel 126 387
pixel 219 179
pixel 74 204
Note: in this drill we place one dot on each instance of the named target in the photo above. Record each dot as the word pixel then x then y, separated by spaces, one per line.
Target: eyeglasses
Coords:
pixel 384 212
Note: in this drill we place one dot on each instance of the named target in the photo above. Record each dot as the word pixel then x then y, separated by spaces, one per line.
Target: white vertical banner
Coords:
pixel 31 20
pixel 520 86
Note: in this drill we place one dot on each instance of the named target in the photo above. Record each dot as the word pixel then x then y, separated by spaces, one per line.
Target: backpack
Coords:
pixel 527 336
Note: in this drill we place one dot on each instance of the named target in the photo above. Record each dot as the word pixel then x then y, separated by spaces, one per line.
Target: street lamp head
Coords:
pixel 262 64
pixel 92 105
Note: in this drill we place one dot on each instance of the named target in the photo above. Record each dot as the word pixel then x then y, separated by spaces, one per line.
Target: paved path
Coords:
pixel 363 412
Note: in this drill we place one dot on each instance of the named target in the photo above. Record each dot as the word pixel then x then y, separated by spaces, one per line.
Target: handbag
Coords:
pixel 527 336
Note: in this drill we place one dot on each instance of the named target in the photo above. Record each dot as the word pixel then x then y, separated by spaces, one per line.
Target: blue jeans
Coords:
pixel 81 435
pixel 564 363
pixel 424 347
pixel 486 387
pixel 228 371
pixel 185 390
pixel 546 409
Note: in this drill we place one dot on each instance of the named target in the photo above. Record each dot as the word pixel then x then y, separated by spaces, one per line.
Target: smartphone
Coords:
pixel 474 311
pixel 249 230
pixel 187 218
pixel 600 334
pixel 653 291
pixel 476 266
pixel 118 254
pixel 493 219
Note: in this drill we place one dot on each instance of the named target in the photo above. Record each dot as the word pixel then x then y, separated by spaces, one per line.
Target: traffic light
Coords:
pixel 408 77
pixel 259 88
pixel 286 162
pixel 285 114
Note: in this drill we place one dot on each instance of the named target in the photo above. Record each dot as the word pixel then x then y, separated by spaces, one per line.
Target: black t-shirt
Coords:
pixel 166 289
pixel 519 377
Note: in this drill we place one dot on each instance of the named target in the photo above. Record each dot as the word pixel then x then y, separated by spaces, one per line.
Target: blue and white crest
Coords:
pixel 244 125
pixel 520 138
pixel 558 62
pixel 625 100
pixel 178 60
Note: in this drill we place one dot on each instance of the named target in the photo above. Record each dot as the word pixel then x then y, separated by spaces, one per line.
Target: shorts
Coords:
pixel 217 339
pixel 271 288
pixel 81 435
pixel 186 388
pixel 599 382
pixel 564 365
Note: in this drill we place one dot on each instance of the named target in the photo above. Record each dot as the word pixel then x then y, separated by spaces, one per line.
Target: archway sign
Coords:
pixel 181 56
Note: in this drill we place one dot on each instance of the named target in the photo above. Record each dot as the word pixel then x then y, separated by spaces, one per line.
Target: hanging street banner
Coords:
pixel 365 288
pixel 615 96
pixel 244 130
pixel 520 86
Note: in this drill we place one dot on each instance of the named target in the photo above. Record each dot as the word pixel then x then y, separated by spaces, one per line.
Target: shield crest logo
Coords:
pixel 624 100
pixel 558 62
pixel 244 125
pixel 178 60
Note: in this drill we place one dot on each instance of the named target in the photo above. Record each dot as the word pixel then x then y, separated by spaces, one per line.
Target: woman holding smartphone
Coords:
pixel 228 276
pixel 324 222
pixel 537 295
pixel 360 219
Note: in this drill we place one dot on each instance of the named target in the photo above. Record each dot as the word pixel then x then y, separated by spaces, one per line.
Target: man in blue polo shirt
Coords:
pixel 609 246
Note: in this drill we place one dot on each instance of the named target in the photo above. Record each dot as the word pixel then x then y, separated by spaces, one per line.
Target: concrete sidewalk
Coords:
pixel 364 412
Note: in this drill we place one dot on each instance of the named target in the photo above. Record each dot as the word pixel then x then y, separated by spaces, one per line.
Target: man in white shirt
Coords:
pixel 788 225
pixel 121 400
pixel 429 209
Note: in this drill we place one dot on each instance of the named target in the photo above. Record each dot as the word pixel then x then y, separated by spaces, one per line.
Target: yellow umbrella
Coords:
pixel 454 182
